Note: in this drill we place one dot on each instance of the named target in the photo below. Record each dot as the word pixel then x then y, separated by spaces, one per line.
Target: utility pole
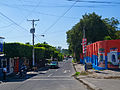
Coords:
pixel 32 30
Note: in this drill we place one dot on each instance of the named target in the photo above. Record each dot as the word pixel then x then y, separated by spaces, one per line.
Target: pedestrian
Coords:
pixel 4 73
pixel 85 66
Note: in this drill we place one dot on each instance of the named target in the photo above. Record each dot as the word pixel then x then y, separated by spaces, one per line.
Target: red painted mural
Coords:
pixel 101 52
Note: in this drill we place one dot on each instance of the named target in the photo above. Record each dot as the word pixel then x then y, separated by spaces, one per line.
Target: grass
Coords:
pixel 81 73
pixel 73 61
pixel 77 74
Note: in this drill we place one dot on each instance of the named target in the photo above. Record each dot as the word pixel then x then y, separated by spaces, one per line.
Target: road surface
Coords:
pixel 48 79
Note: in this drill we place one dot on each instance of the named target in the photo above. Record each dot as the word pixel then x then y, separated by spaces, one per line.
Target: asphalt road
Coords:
pixel 47 79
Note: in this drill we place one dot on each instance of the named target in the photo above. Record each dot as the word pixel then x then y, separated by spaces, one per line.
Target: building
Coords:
pixel 103 54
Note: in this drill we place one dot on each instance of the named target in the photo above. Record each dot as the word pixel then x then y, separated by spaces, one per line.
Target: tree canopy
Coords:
pixel 42 51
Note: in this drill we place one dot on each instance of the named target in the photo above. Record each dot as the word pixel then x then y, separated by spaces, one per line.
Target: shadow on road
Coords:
pixel 43 69
pixel 16 78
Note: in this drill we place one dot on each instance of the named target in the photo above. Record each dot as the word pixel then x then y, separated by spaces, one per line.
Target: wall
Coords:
pixel 103 54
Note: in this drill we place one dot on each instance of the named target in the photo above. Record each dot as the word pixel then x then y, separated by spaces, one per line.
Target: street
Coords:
pixel 48 79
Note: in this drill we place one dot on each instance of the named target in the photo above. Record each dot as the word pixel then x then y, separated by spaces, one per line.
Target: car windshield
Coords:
pixel 54 62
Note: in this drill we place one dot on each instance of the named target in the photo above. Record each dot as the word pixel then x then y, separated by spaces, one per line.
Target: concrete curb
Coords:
pixel 74 67
pixel 102 77
pixel 89 85
pixel 112 77
pixel 86 83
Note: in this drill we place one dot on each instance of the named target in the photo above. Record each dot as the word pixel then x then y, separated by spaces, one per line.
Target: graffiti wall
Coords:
pixel 113 60
pixel 104 54
pixel 101 57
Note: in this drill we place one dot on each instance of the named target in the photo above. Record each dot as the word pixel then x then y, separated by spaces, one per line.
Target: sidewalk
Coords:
pixel 99 80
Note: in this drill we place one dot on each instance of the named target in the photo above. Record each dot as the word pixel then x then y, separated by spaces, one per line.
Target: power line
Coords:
pixel 13 21
pixel 60 17
pixel 37 38
pixel 16 7
pixel 6 26
pixel 31 11
pixel 51 14
pixel 94 1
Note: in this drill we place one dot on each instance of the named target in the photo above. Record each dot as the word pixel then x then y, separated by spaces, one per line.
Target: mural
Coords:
pixel 101 57
pixel 103 54
pixel 113 61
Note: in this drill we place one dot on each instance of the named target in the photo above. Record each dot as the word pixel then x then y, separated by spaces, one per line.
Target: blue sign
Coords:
pixel 1 47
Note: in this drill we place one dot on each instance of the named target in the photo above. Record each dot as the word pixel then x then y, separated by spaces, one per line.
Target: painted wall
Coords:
pixel 103 54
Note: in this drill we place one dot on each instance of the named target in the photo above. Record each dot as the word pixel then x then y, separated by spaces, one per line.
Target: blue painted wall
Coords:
pixel 94 61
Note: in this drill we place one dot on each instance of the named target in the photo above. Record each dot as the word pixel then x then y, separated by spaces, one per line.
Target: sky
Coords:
pixel 56 17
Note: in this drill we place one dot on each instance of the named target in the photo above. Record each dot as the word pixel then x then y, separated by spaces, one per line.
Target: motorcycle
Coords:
pixel 23 72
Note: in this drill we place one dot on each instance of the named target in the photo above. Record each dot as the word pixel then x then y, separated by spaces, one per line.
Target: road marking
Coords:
pixel 65 71
pixel 49 79
pixel 50 75
pixel 43 72
pixel 4 83
pixel 68 70
pixel 57 70
pixel 32 72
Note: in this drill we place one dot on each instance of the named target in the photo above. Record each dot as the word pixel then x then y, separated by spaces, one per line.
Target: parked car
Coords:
pixel 54 64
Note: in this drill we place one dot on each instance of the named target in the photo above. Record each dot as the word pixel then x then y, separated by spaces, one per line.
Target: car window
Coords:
pixel 54 62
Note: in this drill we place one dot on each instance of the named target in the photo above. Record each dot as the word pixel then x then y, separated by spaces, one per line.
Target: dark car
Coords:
pixel 54 64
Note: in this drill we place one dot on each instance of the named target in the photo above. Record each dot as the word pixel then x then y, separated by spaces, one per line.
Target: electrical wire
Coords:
pixel 94 1
pixel 53 6
pixel 31 11
pixel 37 38
pixel 6 26
pixel 12 6
pixel 13 22
pixel 60 17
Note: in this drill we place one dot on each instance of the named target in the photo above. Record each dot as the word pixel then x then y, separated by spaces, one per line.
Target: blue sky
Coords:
pixel 53 21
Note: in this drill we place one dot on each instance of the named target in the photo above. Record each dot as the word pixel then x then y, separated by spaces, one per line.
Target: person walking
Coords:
pixel 4 73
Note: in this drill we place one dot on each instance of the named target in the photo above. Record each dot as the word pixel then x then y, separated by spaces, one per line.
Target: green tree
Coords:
pixel 111 25
pixel 96 29
pixel 42 51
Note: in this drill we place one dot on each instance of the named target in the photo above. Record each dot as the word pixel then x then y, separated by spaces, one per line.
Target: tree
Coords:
pixel 111 25
pixel 27 43
pixel 96 29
